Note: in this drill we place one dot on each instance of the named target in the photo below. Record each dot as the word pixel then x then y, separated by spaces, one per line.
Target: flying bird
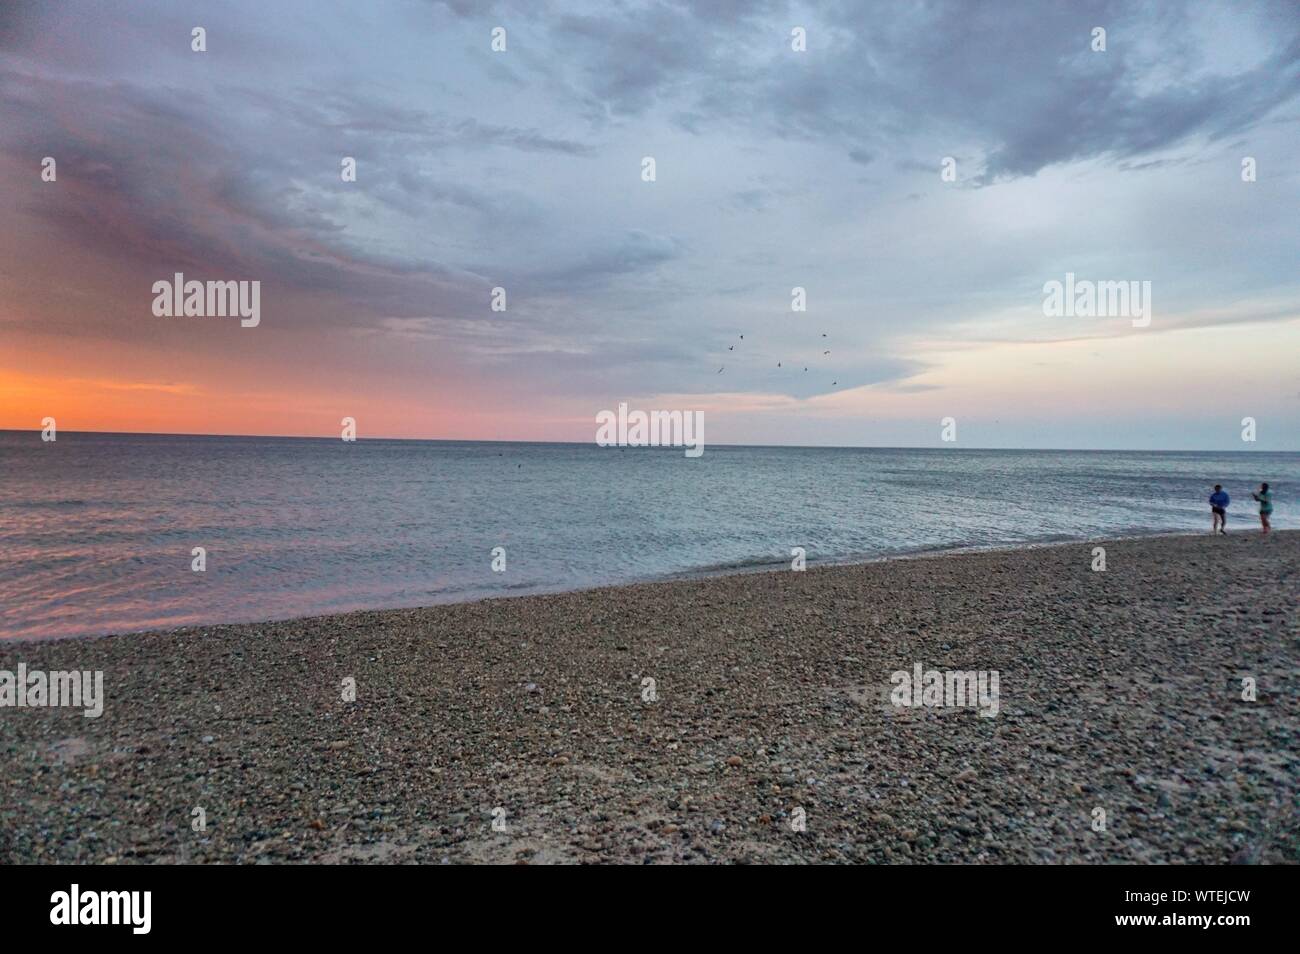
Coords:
pixel 825 352
pixel 720 369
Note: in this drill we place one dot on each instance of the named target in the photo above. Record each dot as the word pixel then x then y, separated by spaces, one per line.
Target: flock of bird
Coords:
pixel 732 347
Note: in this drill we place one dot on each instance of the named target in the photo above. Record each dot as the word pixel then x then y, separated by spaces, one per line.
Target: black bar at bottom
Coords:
pixel 334 904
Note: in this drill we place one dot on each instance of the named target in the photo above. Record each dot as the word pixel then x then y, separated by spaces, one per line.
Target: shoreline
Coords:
pixel 705 573
pixel 1119 690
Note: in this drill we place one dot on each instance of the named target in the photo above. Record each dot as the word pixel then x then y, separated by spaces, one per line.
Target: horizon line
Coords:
pixel 459 440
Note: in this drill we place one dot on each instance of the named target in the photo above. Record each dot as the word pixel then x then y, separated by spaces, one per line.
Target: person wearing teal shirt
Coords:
pixel 1265 506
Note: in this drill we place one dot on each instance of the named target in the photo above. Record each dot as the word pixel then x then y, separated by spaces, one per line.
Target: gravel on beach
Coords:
pixel 528 730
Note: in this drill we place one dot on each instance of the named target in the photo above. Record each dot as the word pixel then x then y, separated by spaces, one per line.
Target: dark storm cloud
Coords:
pixel 1029 95
pixel 220 217
pixel 19 23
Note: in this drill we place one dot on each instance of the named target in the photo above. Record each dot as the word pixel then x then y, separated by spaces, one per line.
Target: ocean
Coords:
pixel 97 531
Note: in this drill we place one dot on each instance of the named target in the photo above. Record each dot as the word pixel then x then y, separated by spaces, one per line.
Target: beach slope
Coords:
pixel 529 729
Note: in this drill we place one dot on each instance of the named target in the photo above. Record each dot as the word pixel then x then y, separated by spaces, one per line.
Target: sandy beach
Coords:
pixel 525 730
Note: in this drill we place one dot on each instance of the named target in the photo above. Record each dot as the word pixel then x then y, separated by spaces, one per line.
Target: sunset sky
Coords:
pixel 774 168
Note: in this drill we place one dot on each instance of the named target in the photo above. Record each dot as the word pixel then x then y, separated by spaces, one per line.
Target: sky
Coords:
pixel 775 168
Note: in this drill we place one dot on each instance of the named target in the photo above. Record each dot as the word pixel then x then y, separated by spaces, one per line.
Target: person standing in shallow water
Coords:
pixel 1219 510
pixel 1265 507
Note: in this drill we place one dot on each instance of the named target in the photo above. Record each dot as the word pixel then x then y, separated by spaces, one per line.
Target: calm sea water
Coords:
pixel 96 530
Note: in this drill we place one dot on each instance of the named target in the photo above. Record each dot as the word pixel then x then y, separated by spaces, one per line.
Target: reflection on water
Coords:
pixel 96 530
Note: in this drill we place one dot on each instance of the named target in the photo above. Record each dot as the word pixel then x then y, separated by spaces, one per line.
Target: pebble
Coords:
pixel 415 774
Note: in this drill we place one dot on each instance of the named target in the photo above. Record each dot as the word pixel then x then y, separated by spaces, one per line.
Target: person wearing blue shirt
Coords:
pixel 1219 510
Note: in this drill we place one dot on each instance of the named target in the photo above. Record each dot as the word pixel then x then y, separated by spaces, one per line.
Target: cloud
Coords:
pixel 1016 79
pixel 777 168
pixel 633 252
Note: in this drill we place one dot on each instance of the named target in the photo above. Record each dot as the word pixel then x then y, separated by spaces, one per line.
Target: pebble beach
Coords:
pixel 742 718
